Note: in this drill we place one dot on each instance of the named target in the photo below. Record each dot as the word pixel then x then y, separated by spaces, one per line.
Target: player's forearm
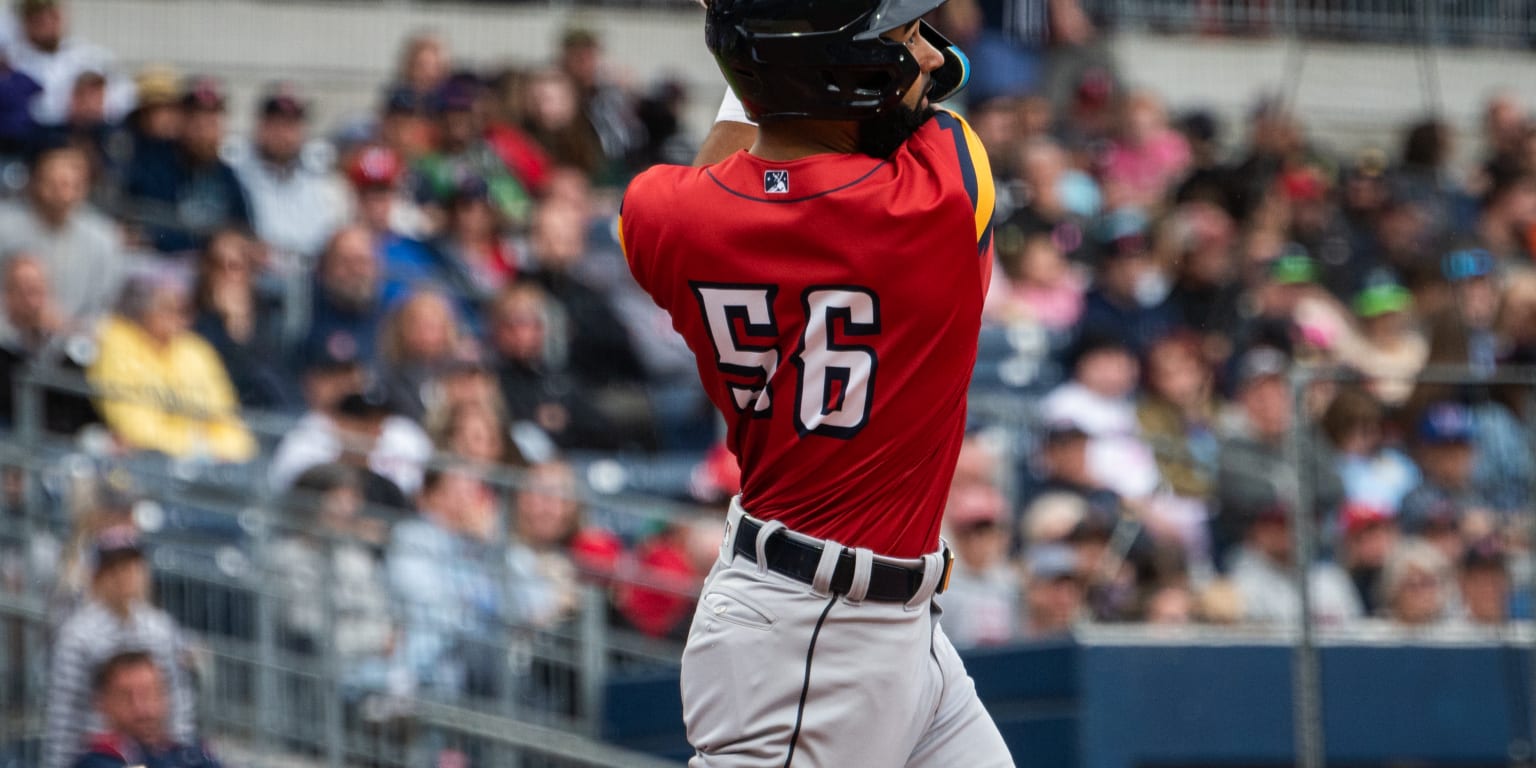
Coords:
pixel 733 131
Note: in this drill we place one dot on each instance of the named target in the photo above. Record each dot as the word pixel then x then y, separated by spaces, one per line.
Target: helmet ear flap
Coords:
pixel 952 77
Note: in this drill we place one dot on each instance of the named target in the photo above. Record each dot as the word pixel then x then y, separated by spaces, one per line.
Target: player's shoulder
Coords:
pixel 948 133
pixel 660 184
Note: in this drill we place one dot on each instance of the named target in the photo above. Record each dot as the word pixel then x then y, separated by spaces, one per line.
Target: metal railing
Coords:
pixel 286 692
pixel 1501 23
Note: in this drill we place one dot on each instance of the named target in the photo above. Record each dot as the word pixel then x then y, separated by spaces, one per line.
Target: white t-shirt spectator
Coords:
pixel 401 451
pixel 57 72
pixel 294 208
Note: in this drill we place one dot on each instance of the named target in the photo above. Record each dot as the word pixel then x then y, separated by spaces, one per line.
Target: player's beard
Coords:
pixel 882 135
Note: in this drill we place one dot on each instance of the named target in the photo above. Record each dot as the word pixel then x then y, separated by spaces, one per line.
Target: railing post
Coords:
pixel 267 728
pixel 593 665
pixel 1305 682
pixel 330 683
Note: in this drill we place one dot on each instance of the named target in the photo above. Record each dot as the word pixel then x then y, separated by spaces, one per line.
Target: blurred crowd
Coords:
pixel 432 301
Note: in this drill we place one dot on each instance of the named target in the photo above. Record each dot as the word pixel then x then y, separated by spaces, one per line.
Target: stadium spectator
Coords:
pixel 1147 158
pixel 450 591
pixel 552 117
pixel 1053 595
pixel 405 125
pixel 1484 580
pixel 182 193
pixel 295 207
pixel 1034 283
pixel 669 568
pixel 1445 453
pixel 55 60
pixel 1368 536
pixel 244 326
pixel 552 545
pixel 1373 471
pixel 1389 352
pixel 1505 127
pixel 606 109
pixel 358 426
pixel 1127 300
pixel 329 583
pixel 1416 586
pixel 600 351
pixel 463 153
pixel 160 386
pixel 1066 486
pixel 1261 571
pixel 1248 479
pixel 1177 414
pixel 527 160
pixel 1100 400
pixel 85 126
pixel 130 696
pixel 981 604
pixel 477 433
pixel 33 331
pixel 81 248
pixel 537 391
pixel 1507 214
pixel 418 340
pixel 116 617
pixel 474 242
pixel 350 299
pixel 423 65
pixel 383 205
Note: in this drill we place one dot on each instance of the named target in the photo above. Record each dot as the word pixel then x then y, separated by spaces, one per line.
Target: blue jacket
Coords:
pixel 113 751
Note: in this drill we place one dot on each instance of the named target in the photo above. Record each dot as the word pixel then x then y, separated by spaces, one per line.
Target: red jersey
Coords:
pixel 833 305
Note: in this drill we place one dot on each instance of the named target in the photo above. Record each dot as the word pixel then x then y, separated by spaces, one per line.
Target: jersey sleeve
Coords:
pixel 976 171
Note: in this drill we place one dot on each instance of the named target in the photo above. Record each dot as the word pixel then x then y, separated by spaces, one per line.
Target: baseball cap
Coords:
pixel 373 167
pixel 204 94
pixel 157 85
pixel 1293 267
pixel 1358 516
pixel 1304 184
pixel 338 352
pixel 1485 554
pixel 458 92
pixel 281 101
pixel 115 544
pixel 1063 431
pixel 1262 363
pixel 1050 562
pixel 401 100
pixel 1467 264
pixel 1446 423
pixel 367 403
pixel 1382 299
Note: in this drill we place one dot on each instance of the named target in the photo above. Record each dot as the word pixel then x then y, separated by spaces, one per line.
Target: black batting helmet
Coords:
pixel 824 59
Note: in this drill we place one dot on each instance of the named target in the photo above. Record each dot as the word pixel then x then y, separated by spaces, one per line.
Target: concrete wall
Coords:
pixel 341 50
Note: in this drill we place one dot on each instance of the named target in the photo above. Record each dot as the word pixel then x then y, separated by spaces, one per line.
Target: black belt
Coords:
pixel 888 583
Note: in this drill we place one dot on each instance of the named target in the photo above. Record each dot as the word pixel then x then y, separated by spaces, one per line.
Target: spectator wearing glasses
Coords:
pixel 243 326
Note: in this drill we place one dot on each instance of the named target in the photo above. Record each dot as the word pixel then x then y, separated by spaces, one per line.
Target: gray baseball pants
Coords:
pixel 778 673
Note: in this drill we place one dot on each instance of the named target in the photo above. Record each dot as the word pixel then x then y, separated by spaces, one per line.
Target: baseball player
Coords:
pixel 829 279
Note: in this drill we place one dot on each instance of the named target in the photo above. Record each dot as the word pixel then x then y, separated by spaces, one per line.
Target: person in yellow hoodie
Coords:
pixel 161 387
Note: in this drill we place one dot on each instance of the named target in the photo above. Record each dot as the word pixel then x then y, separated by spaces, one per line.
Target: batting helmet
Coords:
pixel 825 59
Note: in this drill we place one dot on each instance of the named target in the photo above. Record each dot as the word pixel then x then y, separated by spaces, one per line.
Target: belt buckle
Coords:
pixel 949 567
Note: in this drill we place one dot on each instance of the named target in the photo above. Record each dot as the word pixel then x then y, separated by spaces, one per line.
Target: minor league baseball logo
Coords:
pixel 776 182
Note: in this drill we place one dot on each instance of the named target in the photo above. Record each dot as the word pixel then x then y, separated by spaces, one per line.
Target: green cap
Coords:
pixel 1382 299
pixel 1293 269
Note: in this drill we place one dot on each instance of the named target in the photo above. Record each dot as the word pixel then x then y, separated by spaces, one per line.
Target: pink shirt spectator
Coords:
pixel 1145 171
